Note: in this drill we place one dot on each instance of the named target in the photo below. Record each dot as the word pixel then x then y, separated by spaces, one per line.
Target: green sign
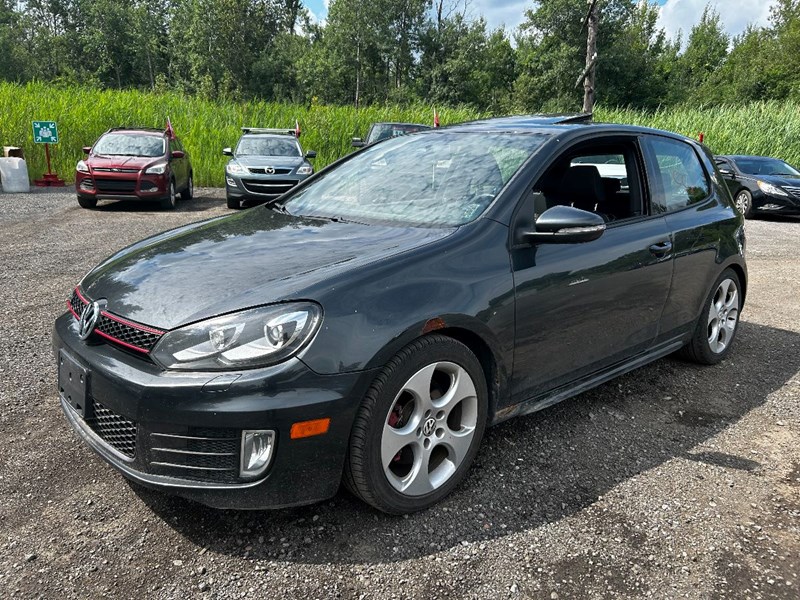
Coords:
pixel 45 132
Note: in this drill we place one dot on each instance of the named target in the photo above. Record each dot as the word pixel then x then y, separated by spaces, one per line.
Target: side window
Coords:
pixel 679 180
pixel 599 177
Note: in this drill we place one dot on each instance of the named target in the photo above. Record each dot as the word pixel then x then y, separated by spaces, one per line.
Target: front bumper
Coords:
pixel 768 203
pixel 260 187
pixel 122 186
pixel 204 410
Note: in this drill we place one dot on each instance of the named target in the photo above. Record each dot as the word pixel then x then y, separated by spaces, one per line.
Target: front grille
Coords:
pixel 115 186
pixel 114 430
pixel 275 171
pixel 793 190
pixel 198 454
pixel 130 335
pixel 268 187
pixel 105 170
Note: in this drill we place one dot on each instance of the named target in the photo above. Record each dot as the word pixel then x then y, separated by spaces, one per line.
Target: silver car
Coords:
pixel 265 164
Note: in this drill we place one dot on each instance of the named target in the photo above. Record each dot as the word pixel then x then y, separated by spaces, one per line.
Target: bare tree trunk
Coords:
pixel 593 22
pixel 358 71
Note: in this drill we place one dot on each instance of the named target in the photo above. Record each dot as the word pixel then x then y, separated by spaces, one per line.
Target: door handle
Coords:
pixel 661 249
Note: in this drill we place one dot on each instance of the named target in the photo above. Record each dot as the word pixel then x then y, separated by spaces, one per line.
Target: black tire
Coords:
pixel 744 202
pixel 699 348
pixel 364 473
pixel 234 203
pixel 87 202
pixel 188 193
pixel 171 201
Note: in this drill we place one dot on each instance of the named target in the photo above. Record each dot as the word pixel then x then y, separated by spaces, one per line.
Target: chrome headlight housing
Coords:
pixel 772 190
pixel 236 168
pixel 251 338
pixel 82 167
pixel 156 169
pixel 305 170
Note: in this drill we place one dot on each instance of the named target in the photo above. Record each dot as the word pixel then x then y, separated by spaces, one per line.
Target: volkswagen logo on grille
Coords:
pixel 270 170
pixel 89 318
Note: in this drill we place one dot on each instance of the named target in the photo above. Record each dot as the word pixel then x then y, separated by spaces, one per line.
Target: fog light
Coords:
pixel 256 452
pixel 230 181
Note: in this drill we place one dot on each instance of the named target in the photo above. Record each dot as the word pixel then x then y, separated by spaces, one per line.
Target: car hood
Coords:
pixel 270 161
pixel 230 263
pixel 100 161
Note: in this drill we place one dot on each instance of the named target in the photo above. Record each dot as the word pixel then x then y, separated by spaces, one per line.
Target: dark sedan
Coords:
pixel 760 184
pixel 369 325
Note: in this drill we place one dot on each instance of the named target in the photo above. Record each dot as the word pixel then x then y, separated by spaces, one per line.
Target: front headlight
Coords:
pixel 305 170
pixel 82 167
pixel 772 190
pixel 157 169
pixel 236 168
pixel 251 338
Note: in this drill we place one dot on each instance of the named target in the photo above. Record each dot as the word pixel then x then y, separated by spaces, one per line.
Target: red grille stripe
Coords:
pixel 69 306
pixel 84 300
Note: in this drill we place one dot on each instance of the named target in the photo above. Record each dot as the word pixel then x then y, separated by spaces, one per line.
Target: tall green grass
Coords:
pixel 205 127
pixel 763 128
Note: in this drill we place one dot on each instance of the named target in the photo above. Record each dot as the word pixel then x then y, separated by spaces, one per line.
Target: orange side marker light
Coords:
pixel 305 429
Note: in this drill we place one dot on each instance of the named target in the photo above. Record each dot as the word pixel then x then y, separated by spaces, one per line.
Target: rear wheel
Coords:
pixel 419 427
pixel 234 203
pixel 744 202
pixel 87 202
pixel 716 328
pixel 188 193
pixel 172 200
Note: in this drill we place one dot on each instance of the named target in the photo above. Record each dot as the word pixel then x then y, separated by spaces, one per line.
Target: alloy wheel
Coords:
pixel 743 202
pixel 723 315
pixel 429 429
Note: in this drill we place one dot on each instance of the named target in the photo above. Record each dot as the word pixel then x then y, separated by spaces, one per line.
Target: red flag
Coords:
pixel 296 128
pixel 435 118
pixel 170 130
pixel 701 137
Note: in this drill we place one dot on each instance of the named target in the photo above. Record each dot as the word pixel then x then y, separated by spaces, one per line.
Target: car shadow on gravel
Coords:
pixel 530 471
pixel 196 204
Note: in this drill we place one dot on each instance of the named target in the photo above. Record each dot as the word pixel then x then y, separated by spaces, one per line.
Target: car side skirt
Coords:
pixel 570 390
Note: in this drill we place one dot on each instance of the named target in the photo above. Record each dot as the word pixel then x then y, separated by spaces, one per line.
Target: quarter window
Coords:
pixel 680 179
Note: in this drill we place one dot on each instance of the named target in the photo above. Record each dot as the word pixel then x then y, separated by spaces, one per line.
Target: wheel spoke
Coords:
pixel 418 482
pixel 461 388
pixel 733 302
pixel 393 440
pixel 420 386
pixel 458 443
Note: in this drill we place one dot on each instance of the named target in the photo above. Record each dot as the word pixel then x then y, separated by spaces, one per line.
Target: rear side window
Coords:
pixel 680 179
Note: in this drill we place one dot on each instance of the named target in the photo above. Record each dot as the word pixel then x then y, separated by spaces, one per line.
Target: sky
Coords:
pixel 675 14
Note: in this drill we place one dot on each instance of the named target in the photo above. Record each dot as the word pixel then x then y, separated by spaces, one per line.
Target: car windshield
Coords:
pixel 384 131
pixel 765 166
pixel 441 179
pixel 130 144
pixel 265 145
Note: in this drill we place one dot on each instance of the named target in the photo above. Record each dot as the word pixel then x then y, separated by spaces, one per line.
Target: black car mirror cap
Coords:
pixel 311 154
pixel 358 143
pixel 227 152
pixel 727 173
pixel 566 225
pixel 87 149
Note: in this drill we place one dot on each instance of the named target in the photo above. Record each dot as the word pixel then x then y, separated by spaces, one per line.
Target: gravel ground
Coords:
pixel 673 481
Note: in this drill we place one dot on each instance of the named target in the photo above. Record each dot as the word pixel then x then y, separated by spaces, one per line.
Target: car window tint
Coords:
pixel 680 179
pixel 441 179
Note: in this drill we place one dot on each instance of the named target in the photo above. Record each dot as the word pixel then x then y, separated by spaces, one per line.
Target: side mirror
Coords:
pixel 227 152
pixel 87 149
pixel 358 143
pixel 311 154
pixel 178 154
pixel 727 173
pixel 566 225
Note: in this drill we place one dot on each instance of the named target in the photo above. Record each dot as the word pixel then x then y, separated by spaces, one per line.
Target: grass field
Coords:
pixel 769 128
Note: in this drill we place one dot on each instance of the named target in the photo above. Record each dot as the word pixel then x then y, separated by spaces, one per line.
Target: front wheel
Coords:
pixel 87 202
pixel 188 193
pixel 234 203
pixel 744 203
pixel 716 329
pixel 419 427
pixel 172 200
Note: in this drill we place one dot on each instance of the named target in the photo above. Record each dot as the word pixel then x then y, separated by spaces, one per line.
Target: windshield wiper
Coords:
pixel 333 219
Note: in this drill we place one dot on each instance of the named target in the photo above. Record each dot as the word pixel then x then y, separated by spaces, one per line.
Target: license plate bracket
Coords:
pixel 73 380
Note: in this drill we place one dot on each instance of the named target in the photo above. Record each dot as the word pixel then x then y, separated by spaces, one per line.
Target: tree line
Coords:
pixel 398 51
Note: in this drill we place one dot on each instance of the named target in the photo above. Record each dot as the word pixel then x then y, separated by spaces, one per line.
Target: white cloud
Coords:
pixel 508 13
pixel 736 15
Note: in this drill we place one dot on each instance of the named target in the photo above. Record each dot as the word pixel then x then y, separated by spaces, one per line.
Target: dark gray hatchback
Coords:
pixel 371 324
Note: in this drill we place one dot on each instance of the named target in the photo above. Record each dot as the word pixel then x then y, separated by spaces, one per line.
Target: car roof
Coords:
pixel 138 130
pixel 401 123
pixel 735 156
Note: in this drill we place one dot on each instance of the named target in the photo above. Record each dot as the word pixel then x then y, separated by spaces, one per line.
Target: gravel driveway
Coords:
pixel 672 481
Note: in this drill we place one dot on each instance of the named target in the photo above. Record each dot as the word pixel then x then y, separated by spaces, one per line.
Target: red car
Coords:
pixel 134 164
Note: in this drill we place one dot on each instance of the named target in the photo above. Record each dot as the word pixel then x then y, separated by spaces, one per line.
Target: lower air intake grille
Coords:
pixel 210 455
pixel 114 430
